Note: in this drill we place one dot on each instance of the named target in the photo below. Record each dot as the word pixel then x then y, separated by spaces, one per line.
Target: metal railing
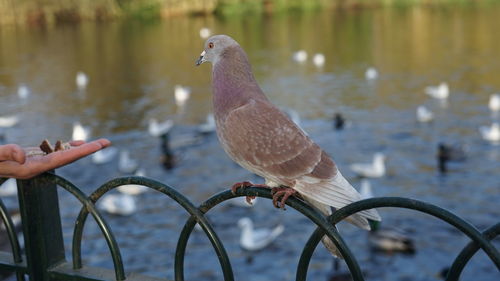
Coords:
pixel 44 257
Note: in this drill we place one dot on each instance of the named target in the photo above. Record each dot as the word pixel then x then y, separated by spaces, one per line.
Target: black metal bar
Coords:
pixel 39 206
pixel 170 192
pixel 466 254
pixel 399 202
pixel 293 202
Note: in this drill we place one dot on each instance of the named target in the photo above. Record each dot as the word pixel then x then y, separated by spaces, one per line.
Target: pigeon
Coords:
pixel 440 91
pixel 263 139
pixel 252 239
pixel 376 169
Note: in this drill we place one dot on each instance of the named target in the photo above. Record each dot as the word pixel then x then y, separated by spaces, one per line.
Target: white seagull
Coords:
pixel 300 56
pixel 104 156
pixel 182 95
pixel 494 103
pixel 134 189
pixel 8 121
pixel 205 32
pixel 157 129
pixel 80 132
pixel 23 92
pixel 492 133
pixel 424 114
pixel 442 91
pixel 256 239
pixel 319 60
pixel 126 164
pixel 209 126
pixel 371 73
pixel 376 169
pixel 81 80
pixel 8 188
pixel 117 204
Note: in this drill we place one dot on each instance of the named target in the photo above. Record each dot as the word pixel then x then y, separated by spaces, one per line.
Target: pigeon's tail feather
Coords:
pixel 326 210
pixel 337 192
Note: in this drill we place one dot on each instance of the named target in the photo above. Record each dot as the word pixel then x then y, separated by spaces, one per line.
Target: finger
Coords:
pixel 76 143
pixel 12 152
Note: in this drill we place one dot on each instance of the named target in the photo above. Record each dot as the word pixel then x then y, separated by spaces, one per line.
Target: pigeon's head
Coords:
pixel 214 48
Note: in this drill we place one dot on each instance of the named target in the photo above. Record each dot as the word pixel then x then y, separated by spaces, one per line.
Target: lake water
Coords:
pixel 134 66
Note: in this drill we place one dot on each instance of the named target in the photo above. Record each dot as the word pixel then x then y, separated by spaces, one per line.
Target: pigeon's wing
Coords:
pixel 263 139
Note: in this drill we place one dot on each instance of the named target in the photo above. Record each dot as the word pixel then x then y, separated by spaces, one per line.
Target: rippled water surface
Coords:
pixel 133 68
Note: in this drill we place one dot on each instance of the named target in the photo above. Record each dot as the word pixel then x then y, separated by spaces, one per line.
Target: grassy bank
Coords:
pixel 35 12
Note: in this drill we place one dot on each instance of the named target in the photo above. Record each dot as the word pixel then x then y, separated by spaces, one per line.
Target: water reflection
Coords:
pixel 133 68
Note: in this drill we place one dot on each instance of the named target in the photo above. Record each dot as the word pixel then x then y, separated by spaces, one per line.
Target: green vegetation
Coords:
pixel 35 12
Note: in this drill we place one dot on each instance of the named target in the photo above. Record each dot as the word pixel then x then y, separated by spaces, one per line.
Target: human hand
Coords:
pixel 15 163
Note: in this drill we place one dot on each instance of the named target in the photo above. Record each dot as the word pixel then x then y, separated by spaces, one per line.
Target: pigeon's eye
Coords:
pixel 210 45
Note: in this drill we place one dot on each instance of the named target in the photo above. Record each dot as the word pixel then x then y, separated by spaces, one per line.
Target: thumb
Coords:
pixel 12 152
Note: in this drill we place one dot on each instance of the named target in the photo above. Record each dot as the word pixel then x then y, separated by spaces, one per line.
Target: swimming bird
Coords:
pixel 104 155
pixel 23 92
pixel 80 132
pixel 8 121
pixel 263 139
pixel 390 240
pixel 168 158
pixel 182 95
pixel 81 80
pixel 209 126
pixel 492 133
pixel 449 153
pixel 300 56
pixel 386 239
pixel 441 91
pixel 118 204
pixel 8 188
pixel 319 60
pixel 252 239
pixel 371 73
pixel 338 121
pixel 424 114
pixel 205 32
pixel 126 164
pixel 494 103
pixel 134 189
pixel 157 129
pixel 376 169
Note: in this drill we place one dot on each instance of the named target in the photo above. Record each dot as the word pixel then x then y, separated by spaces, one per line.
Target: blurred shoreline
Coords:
pixel 50 12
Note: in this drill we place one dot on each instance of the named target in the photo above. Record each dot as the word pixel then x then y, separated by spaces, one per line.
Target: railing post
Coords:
pixel 39 206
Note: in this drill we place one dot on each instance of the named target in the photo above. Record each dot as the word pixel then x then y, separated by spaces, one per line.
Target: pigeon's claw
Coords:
pixel 239 185
pixel 281 194
pixel 246 184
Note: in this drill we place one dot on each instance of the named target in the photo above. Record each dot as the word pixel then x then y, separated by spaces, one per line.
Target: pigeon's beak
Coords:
pixel 201 59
